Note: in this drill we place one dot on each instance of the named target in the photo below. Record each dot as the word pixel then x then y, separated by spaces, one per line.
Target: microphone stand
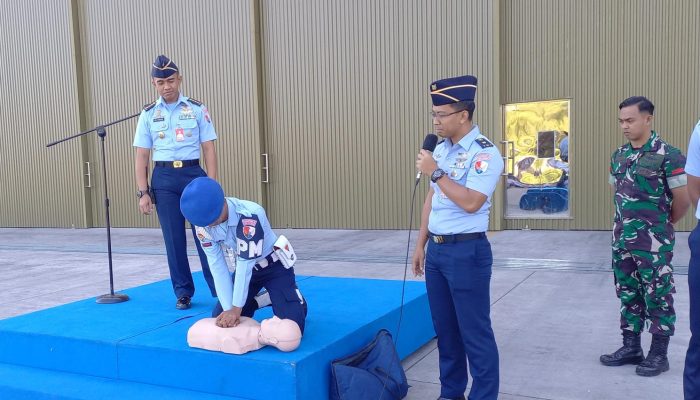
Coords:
pixel 112 297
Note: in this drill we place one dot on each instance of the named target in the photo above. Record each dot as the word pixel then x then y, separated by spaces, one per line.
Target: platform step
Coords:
pixel 144 340
pixel 20 383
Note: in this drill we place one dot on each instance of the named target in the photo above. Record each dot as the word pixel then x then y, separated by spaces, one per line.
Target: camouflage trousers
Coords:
pixel 644 285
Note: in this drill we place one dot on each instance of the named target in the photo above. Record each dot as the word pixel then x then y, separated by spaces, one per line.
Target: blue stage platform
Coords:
pixel 138 349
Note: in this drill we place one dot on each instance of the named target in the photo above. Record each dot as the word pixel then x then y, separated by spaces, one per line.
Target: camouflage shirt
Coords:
pixel 643 179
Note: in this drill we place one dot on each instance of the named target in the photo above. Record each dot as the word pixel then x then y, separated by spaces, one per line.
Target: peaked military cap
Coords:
pixel 163 67
pixel 453 90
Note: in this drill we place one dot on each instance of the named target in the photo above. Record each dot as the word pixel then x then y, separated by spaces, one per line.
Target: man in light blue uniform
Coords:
pixel 691 374
pixel 238 230
pixel 464 171
pixel 174 127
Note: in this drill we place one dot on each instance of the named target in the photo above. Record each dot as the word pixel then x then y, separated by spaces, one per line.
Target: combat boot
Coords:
pixel 657 360
pixel 630 353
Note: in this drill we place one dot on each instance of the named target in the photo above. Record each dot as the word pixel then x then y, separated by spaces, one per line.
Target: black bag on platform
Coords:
pixel 372 373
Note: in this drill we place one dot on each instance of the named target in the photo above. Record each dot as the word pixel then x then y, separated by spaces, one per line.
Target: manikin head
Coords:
pixel 281 333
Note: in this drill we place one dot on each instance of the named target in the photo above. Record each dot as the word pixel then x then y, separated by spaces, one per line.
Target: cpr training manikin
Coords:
pixel 249 335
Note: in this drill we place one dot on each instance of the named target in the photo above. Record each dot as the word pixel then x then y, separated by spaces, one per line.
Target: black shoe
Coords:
pixel 445 398
pixel 657 360
pixel 183 303
pixel 630 353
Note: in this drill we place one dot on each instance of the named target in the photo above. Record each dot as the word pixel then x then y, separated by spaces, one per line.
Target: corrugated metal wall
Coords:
pixel 211 44
pixel 597 53
pixel 335 92
pixel 40 186
pixel 346 101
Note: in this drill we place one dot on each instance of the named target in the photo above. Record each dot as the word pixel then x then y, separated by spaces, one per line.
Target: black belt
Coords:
pixel 177 164
pixel 456 238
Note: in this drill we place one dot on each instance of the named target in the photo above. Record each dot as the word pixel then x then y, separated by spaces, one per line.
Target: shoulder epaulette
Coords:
pixel 149 106
pixel 195 101
pixel 483 142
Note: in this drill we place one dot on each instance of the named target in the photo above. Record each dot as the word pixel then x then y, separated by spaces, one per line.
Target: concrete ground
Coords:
pixel 554 308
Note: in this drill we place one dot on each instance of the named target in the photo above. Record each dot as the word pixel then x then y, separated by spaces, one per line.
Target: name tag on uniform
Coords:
pixel 179 134
pixel 161 119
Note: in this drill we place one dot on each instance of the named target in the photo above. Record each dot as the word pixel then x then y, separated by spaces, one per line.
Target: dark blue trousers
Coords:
pixel 280 283
pixel 458 277
pixel 168 184
pixel 691 374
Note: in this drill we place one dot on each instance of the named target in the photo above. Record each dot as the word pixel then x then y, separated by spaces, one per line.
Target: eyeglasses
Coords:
pixel 440 117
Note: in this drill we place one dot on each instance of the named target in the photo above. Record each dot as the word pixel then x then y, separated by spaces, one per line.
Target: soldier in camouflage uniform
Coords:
pixel 649 180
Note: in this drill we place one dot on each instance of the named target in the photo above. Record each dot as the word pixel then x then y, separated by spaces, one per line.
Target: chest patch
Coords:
pixel 249 238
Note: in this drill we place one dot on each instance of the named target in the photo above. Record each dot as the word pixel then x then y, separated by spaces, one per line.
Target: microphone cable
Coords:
pixel 403 286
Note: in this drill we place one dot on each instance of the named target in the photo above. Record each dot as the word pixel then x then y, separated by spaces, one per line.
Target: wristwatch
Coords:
pixel 437 174
pixel 140 193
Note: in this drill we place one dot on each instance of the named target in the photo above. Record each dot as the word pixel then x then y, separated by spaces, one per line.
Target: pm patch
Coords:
pixel 249 238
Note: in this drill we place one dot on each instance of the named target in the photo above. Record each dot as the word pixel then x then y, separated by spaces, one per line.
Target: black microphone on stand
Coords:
pixel 429 144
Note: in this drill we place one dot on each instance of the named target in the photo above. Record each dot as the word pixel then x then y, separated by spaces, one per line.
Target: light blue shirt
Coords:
pixel 692 164
pixel 473 162
pixel 174 131
pixel 246 236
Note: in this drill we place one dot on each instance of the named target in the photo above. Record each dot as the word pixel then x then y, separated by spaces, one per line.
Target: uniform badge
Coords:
pixel 433 87
pixel 248 227
pixel 202 233
pixel 157 117
pixel 179 134
pixel 481 166
pixel 248 231
pixel 161 135
pixel 186 113
pixel 483 142
pixel 482 157
pixel 206 115
pixel 249 239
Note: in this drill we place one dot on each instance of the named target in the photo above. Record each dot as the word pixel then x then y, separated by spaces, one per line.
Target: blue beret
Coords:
pixel 202 201
pixel 163 67
pixel 453 90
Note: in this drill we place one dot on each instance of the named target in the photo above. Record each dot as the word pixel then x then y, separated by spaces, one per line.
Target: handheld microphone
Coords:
pixel 429 144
